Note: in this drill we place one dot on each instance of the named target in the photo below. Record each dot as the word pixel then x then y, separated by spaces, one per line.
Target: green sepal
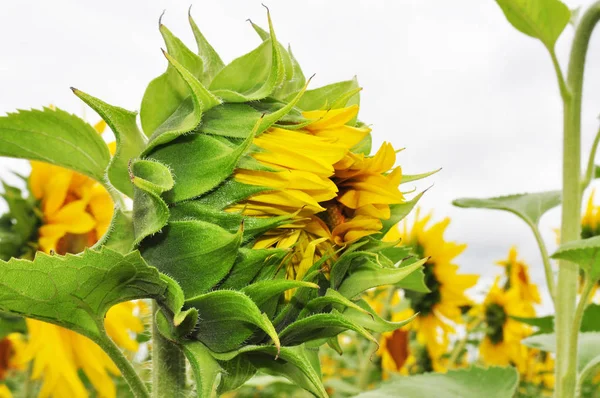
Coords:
pixel 253 226
pixel 331 298
pixel 211 60
pixel 249 264
pixel 120 234
pixel 150 212
pixel 326 97
pixel 334 344
pixel 370 274
pixel 416 177
pixel 318 326
pixel 364 146
pixel 130 140
pixel 199 163
pixel 186 117
pixel 253 76
pixel 19 226
pixel 76 291
pixel 228 318
pixel 195 253
pixel 369 319
pixel 56 137
pixel 266 294
pixel 294 363
pixel 239 370
pixel 230 192
pixel 290 312
pixel 398 212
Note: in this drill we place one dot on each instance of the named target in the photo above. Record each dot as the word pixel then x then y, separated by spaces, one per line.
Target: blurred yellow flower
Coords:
pixel 590 222
pixel 517 277
pixel 441 307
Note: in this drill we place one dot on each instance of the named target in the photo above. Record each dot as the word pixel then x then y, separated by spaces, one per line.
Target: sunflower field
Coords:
pixel 246 234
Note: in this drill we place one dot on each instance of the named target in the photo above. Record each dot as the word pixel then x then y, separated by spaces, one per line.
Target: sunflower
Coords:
pixel 11 347
pixel 590 222
pixel 517 277
pixel 75 212
pixel 444 303
pixel 501 344
pixel 332 195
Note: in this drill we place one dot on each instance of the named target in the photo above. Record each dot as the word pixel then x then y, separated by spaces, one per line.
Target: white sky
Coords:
pixel 451 81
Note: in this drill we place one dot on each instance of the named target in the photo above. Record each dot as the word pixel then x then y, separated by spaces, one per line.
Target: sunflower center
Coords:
pixel 6 352
pixel 495 317
pixel 334 214
pixel 398 347
pixel 423 303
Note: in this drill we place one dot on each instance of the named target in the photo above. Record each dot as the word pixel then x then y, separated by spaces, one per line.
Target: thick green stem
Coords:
pixel 568 273
pixel 168 365
pixel 588 289
pixel 137 386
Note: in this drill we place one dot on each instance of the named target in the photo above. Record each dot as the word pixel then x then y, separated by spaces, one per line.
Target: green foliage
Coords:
pixel 130 140
pixel 588 348
pixel 18 227
pixel 542 19
pixel 474 382
pixel 585 253
pixel 529 207
pixel 56 137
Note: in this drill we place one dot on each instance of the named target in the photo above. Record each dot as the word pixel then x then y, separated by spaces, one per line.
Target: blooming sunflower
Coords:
pixel 332 195
pixel 75 212
pixel 447 288
pixel 501 344
pixel 517 277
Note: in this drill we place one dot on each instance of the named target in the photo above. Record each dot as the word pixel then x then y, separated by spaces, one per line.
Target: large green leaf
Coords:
pixel 228 319
pixel 253 76
pixel 588 347
pixel 529 206
pixel 76 291
pixel 56 137
pixel 542 19
pixel 130 140
pixel 584 252
pixel 474 382
pixel 195 253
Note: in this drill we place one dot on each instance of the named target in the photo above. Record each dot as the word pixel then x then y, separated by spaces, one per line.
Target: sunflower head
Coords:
pixel 253 189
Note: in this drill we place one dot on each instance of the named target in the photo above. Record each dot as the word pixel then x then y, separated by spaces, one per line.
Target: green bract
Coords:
pixel 222 302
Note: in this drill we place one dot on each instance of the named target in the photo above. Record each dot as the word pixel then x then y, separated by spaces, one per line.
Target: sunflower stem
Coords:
pixel 547 265
pixel 137 386
pixel 588 289
pixel 168 365
pixel 459 348
pixel 568 274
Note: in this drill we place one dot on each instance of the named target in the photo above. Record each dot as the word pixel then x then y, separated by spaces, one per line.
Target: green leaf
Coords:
pixel 583 252
pixel 325 97
pixel 230 120
pixel 370 275
pixel 195 253
pixel 130 140
pixel 541 19
pixel 588 347
pixel 76 291
pixel 591 318
pixel 230 192
pixel 294 364
pixel 248 265
pixel 11 324
pixel 150 212
pixel 188 114
pixel 369 319
pixel 263 291
pixel 544 324
pixel 56 137
pixel 253 76
pixel 331 298
pixel 319 326
pixel 199 163
pixel 211 60
pixel 398 212
pixel 529 206
pixel 474 382
pixel 19 226
pixel 228 318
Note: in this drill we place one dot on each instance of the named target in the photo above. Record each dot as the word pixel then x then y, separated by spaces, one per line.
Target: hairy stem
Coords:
pixel 168 365
pixel 570 229
pixel 137 386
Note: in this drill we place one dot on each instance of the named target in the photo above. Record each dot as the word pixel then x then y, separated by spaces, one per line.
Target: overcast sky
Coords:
pixel 452 82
